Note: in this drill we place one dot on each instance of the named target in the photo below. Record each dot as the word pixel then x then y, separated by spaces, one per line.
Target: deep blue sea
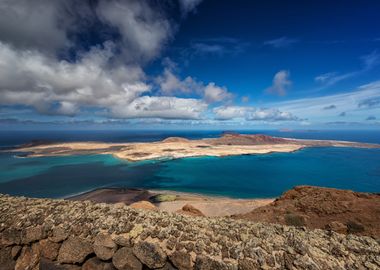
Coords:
pixel 247 176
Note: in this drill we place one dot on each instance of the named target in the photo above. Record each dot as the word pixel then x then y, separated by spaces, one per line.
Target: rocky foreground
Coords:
pixel 59 234
pixel 342 211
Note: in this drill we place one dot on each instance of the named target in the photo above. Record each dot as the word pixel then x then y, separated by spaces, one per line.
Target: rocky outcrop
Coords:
pixel 342 211
pixel 60 234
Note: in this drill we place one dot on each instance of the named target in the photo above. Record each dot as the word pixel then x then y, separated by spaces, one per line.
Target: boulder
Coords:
pixel 150 254
pixel 74 250
pixel 143 205
pixel 104 246
pixel 6 261
pixel 49 249
pixel 59 234
pixel 10 237
pixel 33 234
pixel 15 251
pixel 123 240
pixel 182 260
pixel 29 258
pixel 46 264
pixel 190 210
pixel 337 227
pixel 96 264
pixel 124 259
pixel 207 263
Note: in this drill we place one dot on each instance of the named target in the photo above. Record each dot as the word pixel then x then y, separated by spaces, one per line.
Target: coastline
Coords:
pixel 173 201
pixel 178 147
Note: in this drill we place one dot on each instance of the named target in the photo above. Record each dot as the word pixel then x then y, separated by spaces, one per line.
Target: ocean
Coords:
pixel 246 176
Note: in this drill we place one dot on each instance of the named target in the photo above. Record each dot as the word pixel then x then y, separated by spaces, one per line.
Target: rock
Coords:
pixel 46 264
pixel 49 249
pixel 123 240
pixel 33 234
pixel 181 260
pixel 96 264
pixel 207 263
pixel 6 261
pixel 10 237
pixel 143 205
pixel 29 258
pixel 248 264
pixel 59 235
pixel 337 227
pixel 136 231
pixel 104 246
pixel 74 250
pixel 124 259
pixel 190 210
pixel 150 254
pixel 15 251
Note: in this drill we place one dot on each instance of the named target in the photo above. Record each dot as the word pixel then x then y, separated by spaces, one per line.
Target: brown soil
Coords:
pixel 242 139
pixel 343 211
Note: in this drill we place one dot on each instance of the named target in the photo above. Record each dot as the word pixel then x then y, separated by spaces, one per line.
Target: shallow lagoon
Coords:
pixel 235 176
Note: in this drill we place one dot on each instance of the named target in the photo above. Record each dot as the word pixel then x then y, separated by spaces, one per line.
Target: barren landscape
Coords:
pixel 176 147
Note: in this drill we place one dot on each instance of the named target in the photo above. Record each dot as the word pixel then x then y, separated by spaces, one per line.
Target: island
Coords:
pixel 176 147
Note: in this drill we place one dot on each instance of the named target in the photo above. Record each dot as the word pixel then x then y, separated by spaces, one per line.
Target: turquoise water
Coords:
pixel 248 176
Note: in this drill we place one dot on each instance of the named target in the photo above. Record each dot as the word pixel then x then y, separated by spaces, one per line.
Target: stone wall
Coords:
pixel 58 234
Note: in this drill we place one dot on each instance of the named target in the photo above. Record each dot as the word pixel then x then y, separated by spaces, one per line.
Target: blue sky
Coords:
pixel 190 64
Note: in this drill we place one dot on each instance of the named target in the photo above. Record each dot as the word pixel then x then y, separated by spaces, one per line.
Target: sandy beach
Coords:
pixel 172 201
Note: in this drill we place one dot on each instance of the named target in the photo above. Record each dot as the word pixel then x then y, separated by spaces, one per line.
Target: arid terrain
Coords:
pixel 176 147
pixel 171 201
pixel 343 211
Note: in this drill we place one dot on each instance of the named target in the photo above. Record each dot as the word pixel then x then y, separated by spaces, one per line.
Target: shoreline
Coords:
pixel 172 201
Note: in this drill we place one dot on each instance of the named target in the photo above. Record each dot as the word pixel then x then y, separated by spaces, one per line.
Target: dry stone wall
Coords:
pixel 59 234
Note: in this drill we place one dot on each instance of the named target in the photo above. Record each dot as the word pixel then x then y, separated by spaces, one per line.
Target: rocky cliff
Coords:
pixel 58 234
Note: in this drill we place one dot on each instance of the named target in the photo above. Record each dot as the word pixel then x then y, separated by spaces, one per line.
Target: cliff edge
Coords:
pixel 60 234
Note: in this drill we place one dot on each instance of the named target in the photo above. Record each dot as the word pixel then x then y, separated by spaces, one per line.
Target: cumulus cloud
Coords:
pixel 107 75
pixel 170 84
pixel 144 30
pixel 28 77
pixel 161 107
pixel 214 93
pixel 281 83
pixel 36 24
pixel 252 114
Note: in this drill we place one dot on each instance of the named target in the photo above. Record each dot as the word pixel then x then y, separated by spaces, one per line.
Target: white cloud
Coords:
pixel 369 61
pixel 281 83
pixel 144 31
pixel 170 84
pixel 252 114
pixel 353 102
pixel 161 107
pixel 214 93
pixel 109 76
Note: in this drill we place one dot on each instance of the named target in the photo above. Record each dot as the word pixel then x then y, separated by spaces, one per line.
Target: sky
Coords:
pixel 189 64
